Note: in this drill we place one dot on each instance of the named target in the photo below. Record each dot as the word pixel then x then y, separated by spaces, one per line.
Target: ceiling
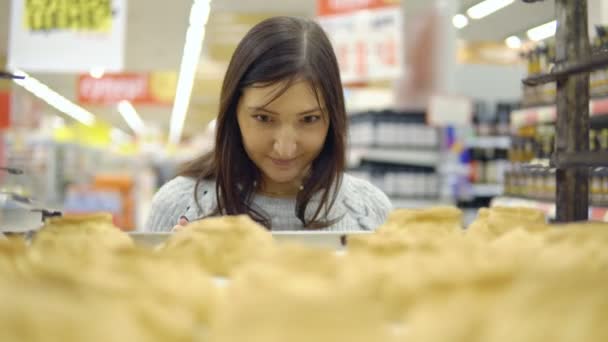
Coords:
pixel 514 19
pixel 155 38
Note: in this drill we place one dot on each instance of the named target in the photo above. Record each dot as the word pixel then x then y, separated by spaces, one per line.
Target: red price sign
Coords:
pixel 5 110
pixel 368 43
pixel 334 7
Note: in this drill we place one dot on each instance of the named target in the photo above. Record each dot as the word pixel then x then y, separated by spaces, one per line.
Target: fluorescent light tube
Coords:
pixel 199 14
pixel 487 7
pixel 131 117
pixel 54 99
pixel 543 32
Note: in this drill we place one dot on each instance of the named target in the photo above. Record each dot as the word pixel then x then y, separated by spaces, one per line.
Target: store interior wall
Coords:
pixel 598 13
pixel 489 83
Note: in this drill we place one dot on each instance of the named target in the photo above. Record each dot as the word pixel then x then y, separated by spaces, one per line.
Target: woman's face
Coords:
pixel 282 137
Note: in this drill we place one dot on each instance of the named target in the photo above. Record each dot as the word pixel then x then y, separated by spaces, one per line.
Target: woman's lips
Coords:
pixel 283 163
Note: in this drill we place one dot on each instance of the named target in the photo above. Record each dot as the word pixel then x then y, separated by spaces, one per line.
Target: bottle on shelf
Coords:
pixel 503 118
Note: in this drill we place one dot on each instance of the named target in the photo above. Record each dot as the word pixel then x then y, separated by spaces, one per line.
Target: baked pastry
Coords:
pixel 220 244
pixel 81 232
pixel 429 222
pixel 34 311
pixel 493 222
pixel 289 301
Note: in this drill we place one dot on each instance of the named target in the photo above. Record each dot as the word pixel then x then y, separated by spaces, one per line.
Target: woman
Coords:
pixel 279 151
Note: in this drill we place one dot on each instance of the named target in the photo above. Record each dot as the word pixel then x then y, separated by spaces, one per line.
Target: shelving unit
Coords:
pixel 547 114
pixel 571 113
pixel 397 152
pixel 502 142
pixel 403 156
pixel 487 190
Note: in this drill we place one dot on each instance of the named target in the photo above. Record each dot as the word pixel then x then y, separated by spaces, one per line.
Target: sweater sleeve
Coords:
pixel 172 200
pixel 368 204
pixel 380 205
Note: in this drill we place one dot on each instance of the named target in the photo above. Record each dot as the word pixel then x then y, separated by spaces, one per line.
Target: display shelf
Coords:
pixel 426 158
pixel 591 63
pixel 17 214
pixel 414 203
pixel 595 213
pixel 547 114
pixel 327 239
pixel 501 142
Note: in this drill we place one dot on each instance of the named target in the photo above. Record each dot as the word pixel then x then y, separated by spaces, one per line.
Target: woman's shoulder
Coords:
pixel 352 184
pixel 180 185
pixel 176 198
pixel 365 199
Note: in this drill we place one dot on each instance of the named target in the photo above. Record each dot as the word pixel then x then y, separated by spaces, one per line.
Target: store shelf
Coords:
pixel 595 213
pixel 487 190
pixel 426 158
pixel 502 142
pixel 546 114
pixel 409 147
pixel 17 220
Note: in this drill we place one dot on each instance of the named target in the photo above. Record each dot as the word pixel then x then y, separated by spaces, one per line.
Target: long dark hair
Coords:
pixel 279 49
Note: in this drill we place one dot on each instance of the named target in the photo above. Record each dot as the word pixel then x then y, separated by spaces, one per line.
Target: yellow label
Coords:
pixel 97 135
pixel 163 85
pixel 64 134
pixel 72 15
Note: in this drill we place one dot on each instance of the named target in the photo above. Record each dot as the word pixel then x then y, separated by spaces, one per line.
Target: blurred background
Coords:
pixel 118 93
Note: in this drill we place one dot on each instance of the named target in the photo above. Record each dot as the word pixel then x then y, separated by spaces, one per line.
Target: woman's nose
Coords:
pixel 285 143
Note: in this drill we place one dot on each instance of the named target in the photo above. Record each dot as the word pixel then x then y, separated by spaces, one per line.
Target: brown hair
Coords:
pixel 279 49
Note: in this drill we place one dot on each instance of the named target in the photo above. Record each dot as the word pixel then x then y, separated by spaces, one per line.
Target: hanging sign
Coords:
pixel 67 35
pixel 366 36
pixel 156 88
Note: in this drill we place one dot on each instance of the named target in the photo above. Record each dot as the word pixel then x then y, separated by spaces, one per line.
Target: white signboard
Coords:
pixel 368 43
pixel 67 36
pixel 449 111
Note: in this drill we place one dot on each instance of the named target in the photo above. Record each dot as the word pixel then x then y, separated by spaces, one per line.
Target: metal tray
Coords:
pixel 334 240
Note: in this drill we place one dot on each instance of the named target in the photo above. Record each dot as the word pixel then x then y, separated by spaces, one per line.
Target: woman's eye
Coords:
pixel 262 118
pixel 311 118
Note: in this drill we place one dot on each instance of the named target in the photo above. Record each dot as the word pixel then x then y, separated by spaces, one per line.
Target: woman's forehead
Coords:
pixel 281 93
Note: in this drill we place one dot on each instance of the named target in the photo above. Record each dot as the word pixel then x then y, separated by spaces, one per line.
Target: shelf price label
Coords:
pixel 449 110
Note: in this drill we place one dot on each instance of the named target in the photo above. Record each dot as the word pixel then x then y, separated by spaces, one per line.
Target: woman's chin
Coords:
pixel 282 178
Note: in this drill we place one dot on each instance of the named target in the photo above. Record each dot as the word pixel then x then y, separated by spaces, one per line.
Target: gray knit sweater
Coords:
pixel 359 204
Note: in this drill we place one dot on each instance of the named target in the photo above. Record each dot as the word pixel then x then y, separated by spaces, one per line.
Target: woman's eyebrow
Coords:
pixel 264 109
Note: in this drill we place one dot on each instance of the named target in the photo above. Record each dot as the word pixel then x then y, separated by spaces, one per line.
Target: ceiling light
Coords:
pixel 543 32
pixel 513 42
pixel 97 73
pixel 459 21
pixel 199 14
pixel 131 117
pixel 487 7
pixel 54 99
